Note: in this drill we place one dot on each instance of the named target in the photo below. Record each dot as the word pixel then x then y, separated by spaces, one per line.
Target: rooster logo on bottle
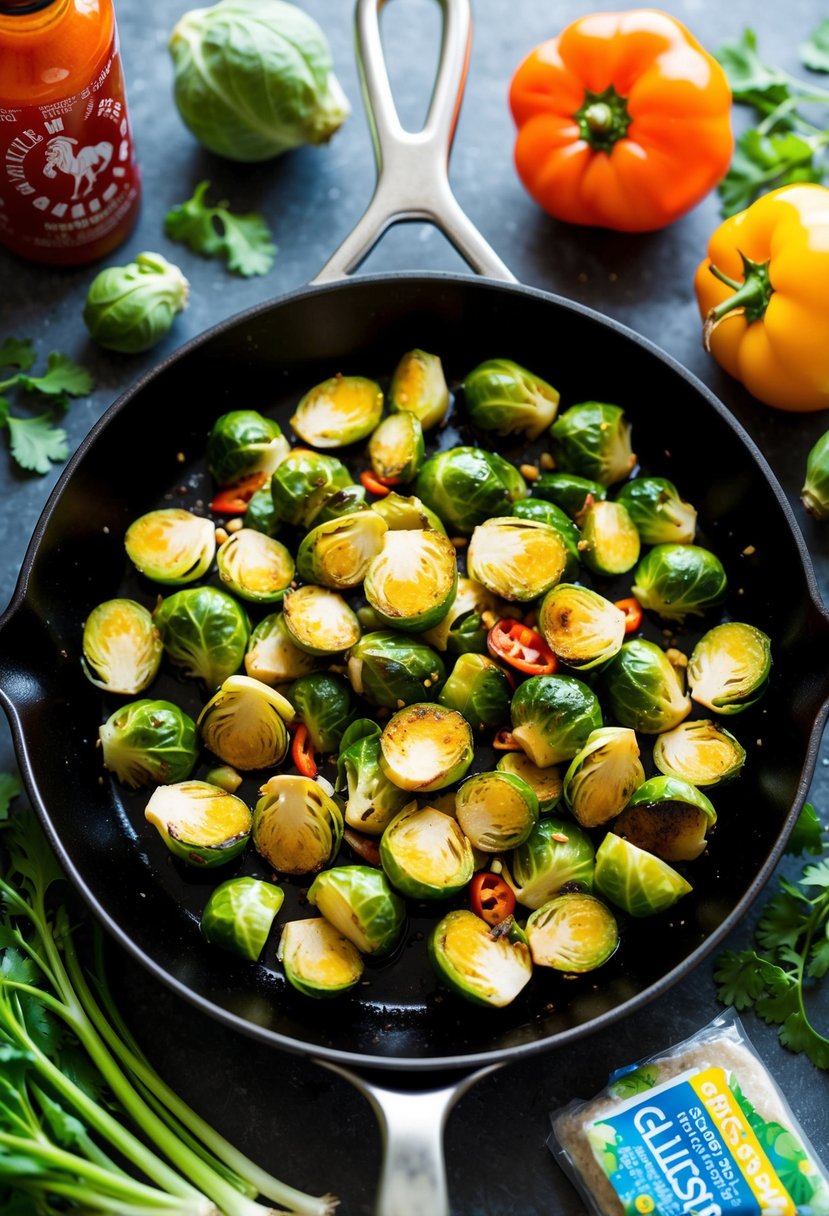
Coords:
pixel 83 166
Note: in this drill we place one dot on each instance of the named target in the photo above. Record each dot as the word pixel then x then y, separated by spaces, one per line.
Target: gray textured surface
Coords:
pixel 310 1127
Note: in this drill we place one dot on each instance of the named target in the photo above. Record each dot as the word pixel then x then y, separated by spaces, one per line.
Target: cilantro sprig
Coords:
pixel 791 952
pixel 244 241
pixel 786 146
pixel 36 442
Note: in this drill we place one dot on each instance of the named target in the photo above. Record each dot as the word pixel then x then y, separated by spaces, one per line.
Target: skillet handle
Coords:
pixel 412 166
pixel 413 1180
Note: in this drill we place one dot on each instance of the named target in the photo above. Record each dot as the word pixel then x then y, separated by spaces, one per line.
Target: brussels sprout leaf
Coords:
pixel 36 442
pixel 243 240
pixel 814 52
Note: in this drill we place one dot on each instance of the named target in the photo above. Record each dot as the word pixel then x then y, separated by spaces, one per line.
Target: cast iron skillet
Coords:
pixel 265 358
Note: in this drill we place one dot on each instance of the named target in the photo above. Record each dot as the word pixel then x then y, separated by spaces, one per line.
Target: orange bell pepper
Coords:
pixel 763 292
pixel 623 121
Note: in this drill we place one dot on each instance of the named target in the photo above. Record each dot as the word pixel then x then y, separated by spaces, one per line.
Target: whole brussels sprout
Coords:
pixel 644 690
pixel 480 690
pixel 244 724
pixel 242 442
pixel 205 633
pixel 149 743
pixel 485 965
pixel 568 491
pixel 815 492
pixel 253 78
pixel 339 411
pixel 593 440
pixel 660 515
pixel 552 717
pixel 303 483
pixel 347 501
pixel 419 387
pixel 131 308
pixel 391 670
pixel 260 515
pixel 574 933
pixel 557 855
pixel 466 486
pixel 505 398
pixel 122 647
pixel 171 545
pixel 676 581
pixel 358 901
pixel 325 704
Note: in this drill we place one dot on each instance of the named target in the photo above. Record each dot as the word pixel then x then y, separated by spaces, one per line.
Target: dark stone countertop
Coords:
pixel 307 1125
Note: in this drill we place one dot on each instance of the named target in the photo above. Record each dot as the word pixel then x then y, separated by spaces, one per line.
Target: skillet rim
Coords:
pixel 362 1060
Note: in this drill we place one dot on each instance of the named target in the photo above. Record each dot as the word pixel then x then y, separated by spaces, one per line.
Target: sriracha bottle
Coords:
pixel 69 182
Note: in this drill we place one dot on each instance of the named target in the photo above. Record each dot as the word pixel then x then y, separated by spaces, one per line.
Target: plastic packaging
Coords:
pixel 701 1129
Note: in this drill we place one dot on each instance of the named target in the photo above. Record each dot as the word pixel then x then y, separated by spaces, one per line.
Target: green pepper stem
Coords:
pixel 751 296
pixel 603 119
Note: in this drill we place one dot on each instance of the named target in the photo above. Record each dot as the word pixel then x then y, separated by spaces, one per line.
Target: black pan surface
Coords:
pixel 147 451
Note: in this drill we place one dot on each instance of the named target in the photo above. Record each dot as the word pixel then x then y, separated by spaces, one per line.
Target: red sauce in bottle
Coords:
pixel 69 182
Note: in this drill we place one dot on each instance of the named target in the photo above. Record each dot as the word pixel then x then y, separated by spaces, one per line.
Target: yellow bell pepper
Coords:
pixel 763 293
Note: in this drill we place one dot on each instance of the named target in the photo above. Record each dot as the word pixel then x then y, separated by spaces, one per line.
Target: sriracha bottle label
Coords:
pixel 68 176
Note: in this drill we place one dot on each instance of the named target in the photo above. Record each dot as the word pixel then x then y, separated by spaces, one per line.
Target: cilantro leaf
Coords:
pixel 243 240
pixel 36 442
pixel 798 1034
pixel 10 788
pixel 818 960
pixel 817 875
pixel 781 1001
pixel 739 978
pixel 759 84
pixel 17 352
pixel 764 162
pixel 814 52
pixel 782 922
pixel 62 377
pixel 807 835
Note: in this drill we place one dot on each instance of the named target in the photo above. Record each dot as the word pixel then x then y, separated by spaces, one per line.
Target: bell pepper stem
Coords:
pixel 751 296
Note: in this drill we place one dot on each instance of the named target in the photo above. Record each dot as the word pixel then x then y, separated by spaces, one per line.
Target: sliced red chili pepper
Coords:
pixel 523 648
pixel 633 613
pixel 373 484
pixel 505 741
pixel 233 500
pixel 490 897
pixel 364 846
pixel 302 752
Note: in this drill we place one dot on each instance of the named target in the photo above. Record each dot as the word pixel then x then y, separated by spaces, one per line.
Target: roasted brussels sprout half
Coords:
pixel 502 397
pixel 255 566
pixel 121 647
pixel 131 308
pixel 634 880
pixel 419 387
pixel 373 800
pixel 149 743
pixel 480 690
pixel 815 492
pixel 729 667
pixel 556 856
pixel 260 514
pixel 304 482
pixel 244 724
pixel 239 914
pixel 552 717
pixel 544 782
pixel 548 513
pixel 668 817
pixel 413 580
pixel 488 966
pixel 320 621
pixel 392 670
pixel 337 553
pixel 661 517
pixel 171 545
pixel 318 961
pixel 346 501
pixel 272 656
pixel 463 628
pixel 593 440
pixel 242 442
pixel 574 932
pixel 609 541
pixel 676 581
pixel 580 626
pixel 425 854
pixel 700 752
pixel 466 486
pixel 325 704
pixel 568 491
pixel 601 779
pixel 406 514
pixel 517 559
pixel 341 410
pixel 497 811
pixel 358 901
pixel 205 633
pixel 297 827
pixel 396 449
pixel 426 747
pixel 644 690
pixel 199 823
